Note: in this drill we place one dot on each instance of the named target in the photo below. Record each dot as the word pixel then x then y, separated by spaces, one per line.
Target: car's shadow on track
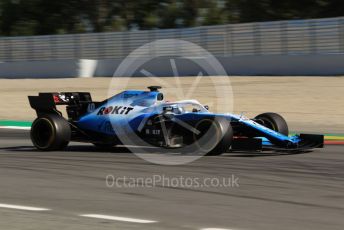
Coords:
pixel 74 148
pixel 262 154
pixel 122 149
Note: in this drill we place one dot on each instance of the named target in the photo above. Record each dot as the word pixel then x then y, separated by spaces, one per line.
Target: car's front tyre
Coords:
pixel 273 121
pixel 215 136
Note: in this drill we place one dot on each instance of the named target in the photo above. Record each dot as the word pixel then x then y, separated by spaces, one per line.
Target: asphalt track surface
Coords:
pixel 299 191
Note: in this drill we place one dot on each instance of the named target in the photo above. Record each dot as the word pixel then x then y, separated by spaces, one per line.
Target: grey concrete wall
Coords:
pixel 39 69
pixel 290 65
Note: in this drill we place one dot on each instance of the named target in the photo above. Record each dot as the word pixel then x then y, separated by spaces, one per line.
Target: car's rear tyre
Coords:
pixel 215 136
pixel 50 132
pixel 273 121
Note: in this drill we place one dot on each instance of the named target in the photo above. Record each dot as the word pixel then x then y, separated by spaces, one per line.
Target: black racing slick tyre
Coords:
pixel 273 121
pixel 215 136
pixel 50 132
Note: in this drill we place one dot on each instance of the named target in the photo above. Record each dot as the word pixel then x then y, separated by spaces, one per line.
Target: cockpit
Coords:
pixel 182 107
pixel 179 107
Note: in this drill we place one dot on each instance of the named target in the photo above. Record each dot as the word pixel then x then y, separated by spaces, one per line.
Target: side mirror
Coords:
pixel 206 107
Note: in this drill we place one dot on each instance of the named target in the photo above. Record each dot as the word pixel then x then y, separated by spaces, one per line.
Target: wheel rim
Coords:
pixel 42 133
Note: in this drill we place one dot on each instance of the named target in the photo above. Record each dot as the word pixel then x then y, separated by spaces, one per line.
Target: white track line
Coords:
pixel 26 208
pixel 215 229
pixel 15 127
pixel 119 218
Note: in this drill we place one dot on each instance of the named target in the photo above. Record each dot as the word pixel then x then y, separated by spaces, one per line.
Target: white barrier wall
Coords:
pixel 331 64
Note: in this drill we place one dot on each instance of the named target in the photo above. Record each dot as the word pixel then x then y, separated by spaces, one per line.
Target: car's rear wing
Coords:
pixel 76 102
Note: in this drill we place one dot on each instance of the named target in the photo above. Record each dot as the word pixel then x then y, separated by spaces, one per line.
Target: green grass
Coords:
pixel 15 123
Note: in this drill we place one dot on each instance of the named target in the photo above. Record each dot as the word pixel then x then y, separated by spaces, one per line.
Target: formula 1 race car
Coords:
pixel 144 118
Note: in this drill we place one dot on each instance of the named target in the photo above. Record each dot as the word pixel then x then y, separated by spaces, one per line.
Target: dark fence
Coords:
pixel 316 36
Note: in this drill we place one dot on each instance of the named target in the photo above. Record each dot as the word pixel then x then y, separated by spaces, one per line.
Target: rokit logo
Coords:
pixel 114 110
